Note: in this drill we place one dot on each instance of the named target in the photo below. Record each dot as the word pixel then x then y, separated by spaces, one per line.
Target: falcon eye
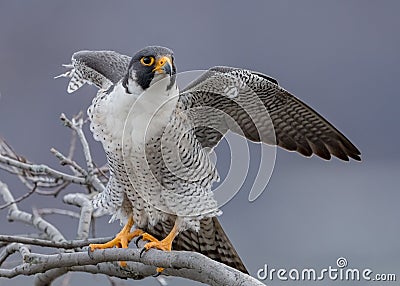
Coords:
pixel 147 61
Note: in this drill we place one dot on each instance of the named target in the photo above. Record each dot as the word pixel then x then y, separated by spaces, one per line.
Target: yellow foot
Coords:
pixel 121 240
pixel 165 244
pixel 154 243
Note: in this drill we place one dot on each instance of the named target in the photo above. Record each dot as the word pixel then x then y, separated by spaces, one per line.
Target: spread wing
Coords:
pixel 101 68
pixel 256 107
pixel 245 102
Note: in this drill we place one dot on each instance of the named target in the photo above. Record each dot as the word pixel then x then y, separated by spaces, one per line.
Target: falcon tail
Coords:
pixel 211 241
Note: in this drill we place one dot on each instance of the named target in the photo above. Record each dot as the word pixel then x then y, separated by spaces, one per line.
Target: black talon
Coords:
pixel 137 240
pixel 90 252
pixel 141 252
pixel 157 274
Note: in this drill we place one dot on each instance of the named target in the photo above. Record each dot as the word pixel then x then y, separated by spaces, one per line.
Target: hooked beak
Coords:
pixel 164 66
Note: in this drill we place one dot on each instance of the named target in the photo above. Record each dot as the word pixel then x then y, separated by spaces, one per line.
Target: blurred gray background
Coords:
pixel 340 57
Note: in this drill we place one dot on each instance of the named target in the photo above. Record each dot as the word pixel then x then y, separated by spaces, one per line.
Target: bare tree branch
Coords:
pixel 177 263
pixel 14 214
pixel 86 213
pixel 11 248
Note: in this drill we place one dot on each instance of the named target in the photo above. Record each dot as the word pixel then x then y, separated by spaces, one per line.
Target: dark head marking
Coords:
pixel 143 66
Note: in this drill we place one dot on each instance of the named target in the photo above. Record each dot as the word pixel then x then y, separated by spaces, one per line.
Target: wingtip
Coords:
pixel 347 158
pixel 356 157
pixel 326 157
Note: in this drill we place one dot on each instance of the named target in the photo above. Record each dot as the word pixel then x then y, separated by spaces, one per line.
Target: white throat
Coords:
pixel 132 118
pixel 151 111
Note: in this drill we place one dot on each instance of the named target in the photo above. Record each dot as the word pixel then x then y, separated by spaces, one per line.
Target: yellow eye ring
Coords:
pixel 147 61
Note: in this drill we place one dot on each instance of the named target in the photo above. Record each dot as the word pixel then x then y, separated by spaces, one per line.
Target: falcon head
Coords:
pixel 149 66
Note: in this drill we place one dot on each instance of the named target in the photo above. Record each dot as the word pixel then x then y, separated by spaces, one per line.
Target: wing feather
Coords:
pixel 263 112
pixel 101 68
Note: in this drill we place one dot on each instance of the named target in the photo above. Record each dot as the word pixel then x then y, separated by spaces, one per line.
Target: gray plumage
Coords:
pixel 297 126
pixel 101 68
pixel 169 190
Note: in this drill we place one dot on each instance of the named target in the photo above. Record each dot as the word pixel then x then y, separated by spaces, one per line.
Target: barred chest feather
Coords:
pixel 154 158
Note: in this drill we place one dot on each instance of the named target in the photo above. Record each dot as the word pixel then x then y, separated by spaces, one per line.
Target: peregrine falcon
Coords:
pixel 158 138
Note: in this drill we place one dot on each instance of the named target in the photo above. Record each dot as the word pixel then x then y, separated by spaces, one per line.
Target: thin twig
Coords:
pixel 19 199
pixel 67 244
pixel 67 161
pixel 39 191
pixel 9 169
pixel 76 125
pixel 102 171
pixel 7 150
pixel 50 211
pixel 42 169
pixel 72 145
